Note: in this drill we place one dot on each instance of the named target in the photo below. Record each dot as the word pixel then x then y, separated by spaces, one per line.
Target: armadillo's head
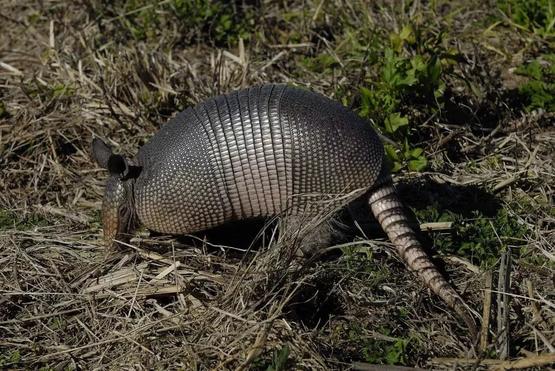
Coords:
pixel 118 211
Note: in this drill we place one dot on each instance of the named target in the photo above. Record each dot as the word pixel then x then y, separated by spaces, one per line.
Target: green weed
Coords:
pixel 56 91
pixel 10 358
pixel 537 16
pixel 375 351
pixel 222 22
pixel 61 90
pixel 140 19
pixel 539 90
pixel 360 260
pixel 3 111
pixel 480 239
pixel 279 361
pixel 9 220
pixel 322 63
pixel 215 22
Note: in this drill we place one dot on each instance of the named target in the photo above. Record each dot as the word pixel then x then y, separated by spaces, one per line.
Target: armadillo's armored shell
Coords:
pixel 255 152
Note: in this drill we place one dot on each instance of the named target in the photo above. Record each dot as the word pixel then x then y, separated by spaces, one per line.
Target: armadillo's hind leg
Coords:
pixel 308 237
pixel 389 211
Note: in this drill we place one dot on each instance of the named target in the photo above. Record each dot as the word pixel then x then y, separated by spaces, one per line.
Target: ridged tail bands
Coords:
pixel 389 211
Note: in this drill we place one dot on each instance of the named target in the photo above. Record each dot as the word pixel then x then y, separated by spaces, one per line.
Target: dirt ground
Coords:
pixel 462 93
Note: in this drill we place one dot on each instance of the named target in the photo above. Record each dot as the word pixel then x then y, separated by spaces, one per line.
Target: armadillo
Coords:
pixel 259 152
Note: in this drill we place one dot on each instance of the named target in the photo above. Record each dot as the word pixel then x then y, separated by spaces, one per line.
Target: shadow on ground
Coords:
pixel 316 301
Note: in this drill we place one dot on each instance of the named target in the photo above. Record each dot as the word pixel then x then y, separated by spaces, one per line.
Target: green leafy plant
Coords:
pixel 539 90
pixel 406 78
pixel 414 158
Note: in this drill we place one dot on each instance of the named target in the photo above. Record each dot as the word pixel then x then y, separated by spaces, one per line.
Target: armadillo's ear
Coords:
pixel 117 165
pixel 121 167
pixel 101 152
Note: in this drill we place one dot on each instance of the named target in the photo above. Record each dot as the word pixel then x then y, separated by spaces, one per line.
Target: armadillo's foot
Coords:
pixel 305 236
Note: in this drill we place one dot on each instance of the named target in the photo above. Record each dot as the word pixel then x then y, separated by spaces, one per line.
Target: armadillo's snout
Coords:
pixel 109 223
pixel 116 212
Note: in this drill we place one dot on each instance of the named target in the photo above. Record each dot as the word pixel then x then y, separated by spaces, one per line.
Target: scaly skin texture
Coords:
pixel 259 152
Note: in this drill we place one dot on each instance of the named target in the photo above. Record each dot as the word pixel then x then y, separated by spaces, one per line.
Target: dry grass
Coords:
pixel 67 72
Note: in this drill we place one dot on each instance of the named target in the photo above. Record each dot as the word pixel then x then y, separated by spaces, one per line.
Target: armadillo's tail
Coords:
pixel 389 211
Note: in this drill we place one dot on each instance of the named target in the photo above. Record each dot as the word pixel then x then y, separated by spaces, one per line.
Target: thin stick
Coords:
pixel 436 226
pixel 486 312
pixel 361 366
pixel 503 300
pixel 496 364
